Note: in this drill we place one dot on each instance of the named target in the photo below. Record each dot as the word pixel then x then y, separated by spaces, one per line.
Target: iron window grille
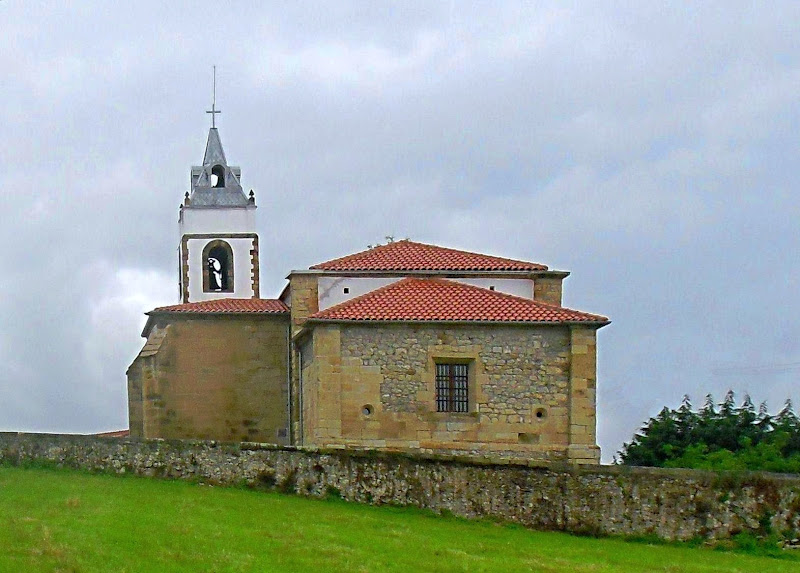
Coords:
pixel 452 388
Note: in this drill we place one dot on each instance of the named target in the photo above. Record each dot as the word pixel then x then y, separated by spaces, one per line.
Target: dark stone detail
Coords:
pixel 185 266
pixel 254 272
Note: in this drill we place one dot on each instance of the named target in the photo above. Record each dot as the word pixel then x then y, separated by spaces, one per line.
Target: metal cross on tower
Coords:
pixel 214 111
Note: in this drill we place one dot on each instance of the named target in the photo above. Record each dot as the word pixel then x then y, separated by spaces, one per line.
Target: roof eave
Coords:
pixel 595 323
pixel 284 292
pixel 148 326
pixel 302 333
pixel 218 207
pixel 157 312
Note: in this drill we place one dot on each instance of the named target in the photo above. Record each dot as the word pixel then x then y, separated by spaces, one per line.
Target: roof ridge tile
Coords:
pixel 407 255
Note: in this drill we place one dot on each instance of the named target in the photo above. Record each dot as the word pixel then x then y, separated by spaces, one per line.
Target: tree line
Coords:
pixel 718 437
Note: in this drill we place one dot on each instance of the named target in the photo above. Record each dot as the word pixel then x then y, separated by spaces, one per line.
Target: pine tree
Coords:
pixel 733 438
pixel 747 432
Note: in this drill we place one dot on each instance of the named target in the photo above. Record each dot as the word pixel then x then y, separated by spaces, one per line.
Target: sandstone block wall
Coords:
pixel 672 504
pixel 221 378
pixel 304 291
pixel 582 404
pixel 548 289
pixel 305 299
pixel 374 386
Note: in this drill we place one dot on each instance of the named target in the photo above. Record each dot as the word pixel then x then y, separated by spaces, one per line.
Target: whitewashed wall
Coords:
pixel 217 220
pixel 517 287
pixel 242 270
pixel 332 289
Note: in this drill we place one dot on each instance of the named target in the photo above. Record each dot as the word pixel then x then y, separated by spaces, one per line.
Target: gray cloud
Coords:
pixel 651 150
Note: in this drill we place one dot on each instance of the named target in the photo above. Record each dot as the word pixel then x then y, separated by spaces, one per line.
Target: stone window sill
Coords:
pixel 458 416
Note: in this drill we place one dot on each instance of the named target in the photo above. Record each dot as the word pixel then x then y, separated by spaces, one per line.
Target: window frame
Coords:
pixel 453 386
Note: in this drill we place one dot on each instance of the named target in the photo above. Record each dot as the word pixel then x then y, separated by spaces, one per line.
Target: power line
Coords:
pixel 757 369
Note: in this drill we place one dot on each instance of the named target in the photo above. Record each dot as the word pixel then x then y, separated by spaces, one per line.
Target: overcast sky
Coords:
pixel 652 150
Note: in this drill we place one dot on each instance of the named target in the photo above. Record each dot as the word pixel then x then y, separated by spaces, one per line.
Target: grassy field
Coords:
pixel 58 520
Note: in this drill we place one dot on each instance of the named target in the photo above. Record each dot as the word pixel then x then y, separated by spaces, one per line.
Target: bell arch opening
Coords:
pixel 217 267
pixel 218 172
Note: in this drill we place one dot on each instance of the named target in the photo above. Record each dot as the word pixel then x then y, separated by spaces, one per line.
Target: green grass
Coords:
pixel 59 520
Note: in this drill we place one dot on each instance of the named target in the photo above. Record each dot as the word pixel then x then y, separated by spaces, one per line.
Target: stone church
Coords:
pixel 404 346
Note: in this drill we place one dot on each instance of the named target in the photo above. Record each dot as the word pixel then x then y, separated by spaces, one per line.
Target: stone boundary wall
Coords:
pixel 603 500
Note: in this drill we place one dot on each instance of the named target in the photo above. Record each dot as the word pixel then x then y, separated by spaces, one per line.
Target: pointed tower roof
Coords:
pixel 214 153
pixel 215 183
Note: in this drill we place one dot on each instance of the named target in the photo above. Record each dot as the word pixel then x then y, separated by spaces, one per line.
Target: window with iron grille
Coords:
pixel 452 388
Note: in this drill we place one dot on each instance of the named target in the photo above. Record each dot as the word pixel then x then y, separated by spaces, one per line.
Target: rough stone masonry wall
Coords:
pixel 375 388
pixel 672 504
pixel 524 367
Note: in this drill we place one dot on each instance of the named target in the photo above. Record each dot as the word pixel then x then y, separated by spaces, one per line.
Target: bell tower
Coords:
pixel 218 251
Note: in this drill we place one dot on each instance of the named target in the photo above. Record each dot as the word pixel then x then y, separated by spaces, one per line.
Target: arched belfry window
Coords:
pixel 217 267
pixel 219 172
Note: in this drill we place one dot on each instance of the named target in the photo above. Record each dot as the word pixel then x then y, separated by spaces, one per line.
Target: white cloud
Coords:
pixel 116 319
pixel 651 150
pixel 113 337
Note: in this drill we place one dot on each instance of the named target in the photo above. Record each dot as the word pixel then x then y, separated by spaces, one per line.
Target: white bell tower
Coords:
pixel 218 251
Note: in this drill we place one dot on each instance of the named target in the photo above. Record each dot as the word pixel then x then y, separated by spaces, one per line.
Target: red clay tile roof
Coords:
pixel 445 300
pixel 410 256
pixel 227 305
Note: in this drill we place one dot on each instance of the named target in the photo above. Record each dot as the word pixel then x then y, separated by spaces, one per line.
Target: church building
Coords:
pixel 404 346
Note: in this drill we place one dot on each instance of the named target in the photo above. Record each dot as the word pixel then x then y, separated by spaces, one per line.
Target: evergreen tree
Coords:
pixel 746 431
pixel 764 420
pixel 788 426
pixel 719 436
